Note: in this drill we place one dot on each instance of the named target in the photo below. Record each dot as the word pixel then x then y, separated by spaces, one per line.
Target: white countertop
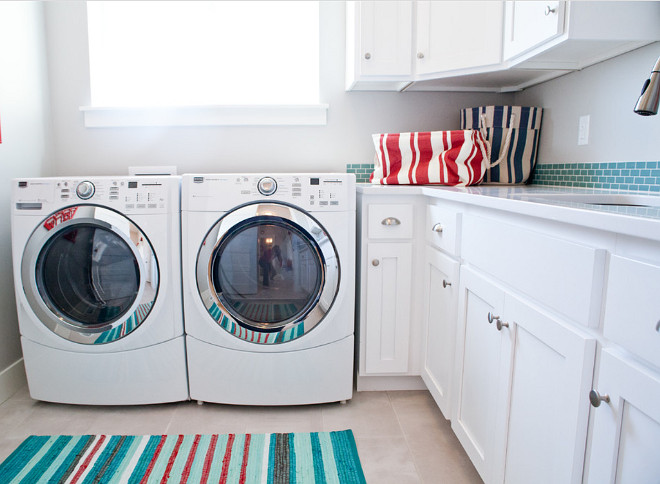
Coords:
pixel 528 200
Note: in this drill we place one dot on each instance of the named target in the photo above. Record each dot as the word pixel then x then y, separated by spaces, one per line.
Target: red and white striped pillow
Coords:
pixel 456 158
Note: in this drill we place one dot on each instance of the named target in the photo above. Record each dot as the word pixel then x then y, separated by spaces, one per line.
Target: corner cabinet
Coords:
pixel 486 45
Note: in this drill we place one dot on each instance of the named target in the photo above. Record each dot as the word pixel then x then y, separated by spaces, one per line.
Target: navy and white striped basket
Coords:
pixel 495 122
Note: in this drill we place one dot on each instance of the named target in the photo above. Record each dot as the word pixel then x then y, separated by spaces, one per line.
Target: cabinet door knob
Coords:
pixel 420 55
pixel 391 221
pixel 437 228
pixel 445 283
pixel 549 10
pixel 501 324
pixel 375 262
pixel 596 398
pixel 368 55
pixel 492 318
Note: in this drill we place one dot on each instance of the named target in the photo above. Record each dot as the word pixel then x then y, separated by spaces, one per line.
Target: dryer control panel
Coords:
pixel 124 194
pixel 312 192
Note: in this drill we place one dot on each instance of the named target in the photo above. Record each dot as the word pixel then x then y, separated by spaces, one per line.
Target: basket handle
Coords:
pixel 507 140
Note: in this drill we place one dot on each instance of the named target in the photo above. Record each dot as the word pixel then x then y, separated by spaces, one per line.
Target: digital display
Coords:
pixel 313 181
pixel 132 184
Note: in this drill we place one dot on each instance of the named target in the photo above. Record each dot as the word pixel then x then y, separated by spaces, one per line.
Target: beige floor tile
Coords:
pixel 368 414
pixel 401 436
pixel 386 460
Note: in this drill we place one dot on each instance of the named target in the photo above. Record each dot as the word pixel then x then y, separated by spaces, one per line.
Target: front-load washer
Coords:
pixel 269 287
pixel 97 273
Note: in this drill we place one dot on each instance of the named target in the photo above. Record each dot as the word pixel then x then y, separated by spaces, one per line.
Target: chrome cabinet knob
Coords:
pixel 420 55
pixel 438 228
pixel 367 56
pixel 391 221
pixel 492 318
pixel 501 324
pixel 445 283
pixel 549 10
pixel 375 262
pixel 596 398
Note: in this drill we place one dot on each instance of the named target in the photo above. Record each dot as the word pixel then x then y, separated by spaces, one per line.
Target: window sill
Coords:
pixel 262 115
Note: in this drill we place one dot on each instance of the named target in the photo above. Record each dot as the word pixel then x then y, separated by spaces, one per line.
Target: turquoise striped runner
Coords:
pixel 316 457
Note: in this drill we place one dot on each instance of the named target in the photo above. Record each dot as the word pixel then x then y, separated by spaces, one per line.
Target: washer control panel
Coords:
pixel 332 192
pixel 125 194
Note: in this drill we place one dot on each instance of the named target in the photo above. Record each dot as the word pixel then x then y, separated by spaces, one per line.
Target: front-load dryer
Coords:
pixel 269 287
pixel 97 278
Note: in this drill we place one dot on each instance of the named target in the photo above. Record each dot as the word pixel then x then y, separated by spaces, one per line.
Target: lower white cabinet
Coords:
pixel 626 423
pixel 388 303
pixel 521 378
pixel 440 309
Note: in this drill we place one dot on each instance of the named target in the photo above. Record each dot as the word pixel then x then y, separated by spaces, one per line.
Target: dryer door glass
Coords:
pixel 267 273
pixel 88 275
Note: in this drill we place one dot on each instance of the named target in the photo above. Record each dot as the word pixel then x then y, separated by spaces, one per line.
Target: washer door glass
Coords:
pixel 88 274
pixel 267 273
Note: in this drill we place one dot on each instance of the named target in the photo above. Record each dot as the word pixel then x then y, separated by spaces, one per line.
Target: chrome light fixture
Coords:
pixel 647 104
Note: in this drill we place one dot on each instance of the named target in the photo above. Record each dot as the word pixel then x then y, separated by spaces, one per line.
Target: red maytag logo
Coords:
pixel 59 217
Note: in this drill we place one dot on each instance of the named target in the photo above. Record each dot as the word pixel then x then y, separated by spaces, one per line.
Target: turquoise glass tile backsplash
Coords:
pixel 362 171
pixel 639 176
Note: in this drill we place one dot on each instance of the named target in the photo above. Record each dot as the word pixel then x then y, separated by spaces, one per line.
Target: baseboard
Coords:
pixel 389 383
pixel 12 379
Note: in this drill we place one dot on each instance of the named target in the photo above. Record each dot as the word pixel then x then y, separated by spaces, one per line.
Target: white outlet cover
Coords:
pixel 583 130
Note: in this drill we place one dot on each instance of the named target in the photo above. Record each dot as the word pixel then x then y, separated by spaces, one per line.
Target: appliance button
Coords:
pixel 85 190
pixel 267 186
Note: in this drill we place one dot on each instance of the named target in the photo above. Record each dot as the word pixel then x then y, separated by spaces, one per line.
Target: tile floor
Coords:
pixel 401 436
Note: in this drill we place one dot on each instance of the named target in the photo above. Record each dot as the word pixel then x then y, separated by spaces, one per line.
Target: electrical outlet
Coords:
pixel 583 130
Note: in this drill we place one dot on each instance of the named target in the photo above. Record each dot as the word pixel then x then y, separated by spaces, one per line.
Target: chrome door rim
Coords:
pixel 311 229
pixel 55 320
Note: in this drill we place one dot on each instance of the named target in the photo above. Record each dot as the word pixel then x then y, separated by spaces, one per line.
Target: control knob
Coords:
pixel 85 190
pixel 267 186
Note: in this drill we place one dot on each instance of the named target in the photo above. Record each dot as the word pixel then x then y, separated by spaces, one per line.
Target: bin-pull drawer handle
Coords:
pixel 391 221
pixel 437 228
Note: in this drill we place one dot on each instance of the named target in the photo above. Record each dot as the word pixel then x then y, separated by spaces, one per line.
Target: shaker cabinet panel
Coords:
pixel 529 24
pixel 626 423
pixel 440 306
pixel 388 283
pixel 457 34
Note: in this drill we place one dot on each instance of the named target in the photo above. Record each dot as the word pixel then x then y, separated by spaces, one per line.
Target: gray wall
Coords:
pixel 607 92
pixel 352 116
pixel 25 138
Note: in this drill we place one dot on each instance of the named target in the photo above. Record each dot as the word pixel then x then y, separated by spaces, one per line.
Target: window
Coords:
pixel 203 56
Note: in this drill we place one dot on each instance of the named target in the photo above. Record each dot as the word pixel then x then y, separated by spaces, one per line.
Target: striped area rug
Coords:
pixel 316 457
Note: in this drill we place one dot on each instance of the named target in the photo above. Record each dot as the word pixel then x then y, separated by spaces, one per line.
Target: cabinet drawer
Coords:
pixel 632 307
pixel 442 228
pixel 559 273
pixel 390 221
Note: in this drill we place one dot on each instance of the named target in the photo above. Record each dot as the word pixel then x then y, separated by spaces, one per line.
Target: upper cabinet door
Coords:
pixel 529 24
pixel 383 40
pixel 457 35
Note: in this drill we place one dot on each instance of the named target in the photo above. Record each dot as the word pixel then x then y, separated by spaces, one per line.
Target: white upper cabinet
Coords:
pixel 379 36
pixel 530 24
pixel 451 36
pixel 487 45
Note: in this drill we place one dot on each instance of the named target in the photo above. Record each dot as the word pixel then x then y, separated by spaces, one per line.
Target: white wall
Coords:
pixel 352 117
pixel 25 149
pixel 607 92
